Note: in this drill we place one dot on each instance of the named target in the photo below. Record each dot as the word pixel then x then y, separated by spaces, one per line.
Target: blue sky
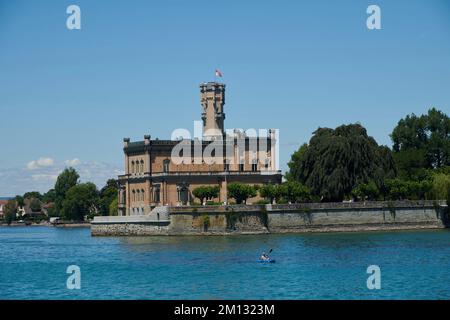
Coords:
pixel 70 96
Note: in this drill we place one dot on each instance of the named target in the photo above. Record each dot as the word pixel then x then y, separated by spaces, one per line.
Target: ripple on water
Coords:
pixel 33 262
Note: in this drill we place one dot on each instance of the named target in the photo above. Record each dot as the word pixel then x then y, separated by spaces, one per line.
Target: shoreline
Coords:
pixel 63 225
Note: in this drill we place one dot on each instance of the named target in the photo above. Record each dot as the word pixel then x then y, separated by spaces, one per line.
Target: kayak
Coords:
pixel 266 261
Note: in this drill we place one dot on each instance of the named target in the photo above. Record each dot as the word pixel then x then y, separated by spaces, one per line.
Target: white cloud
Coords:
pixel 39 163
pixel 39 177
pixel 44 177
pixel 72 163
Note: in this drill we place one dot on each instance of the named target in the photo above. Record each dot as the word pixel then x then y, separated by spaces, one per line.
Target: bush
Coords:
pixel 366 191
pixel 206 221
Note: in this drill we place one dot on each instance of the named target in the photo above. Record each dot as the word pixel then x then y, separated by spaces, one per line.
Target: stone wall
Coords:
pixel 254 219
pixel 129 226
pixel 365 218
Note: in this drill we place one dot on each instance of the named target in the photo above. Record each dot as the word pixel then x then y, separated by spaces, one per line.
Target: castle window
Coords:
pixel 132 166
pixel 254 167
pixel 142 166
pixel 143 195
pixel 133 196
pixel 166 166
pixel 157 195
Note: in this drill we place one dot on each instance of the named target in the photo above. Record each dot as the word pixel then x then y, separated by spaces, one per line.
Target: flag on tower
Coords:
pixel 218 73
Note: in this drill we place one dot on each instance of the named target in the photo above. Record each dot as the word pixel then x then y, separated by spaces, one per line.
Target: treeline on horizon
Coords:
pixel 341 164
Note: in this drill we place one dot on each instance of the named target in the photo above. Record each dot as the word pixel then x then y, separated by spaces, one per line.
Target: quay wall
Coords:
pixel 259 219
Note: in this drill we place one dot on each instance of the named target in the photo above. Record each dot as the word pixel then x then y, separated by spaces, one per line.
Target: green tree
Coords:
pixel 32 195
pixel 293 192
pixel 66 180
pixel 422 142
pixel 241 192
pixel 10 211
pixel 397 189
pixel 206 193
pixel 294 164
pixel 269 192
pixel 366 191
pixel 336 160
pixel 441 186
pixel 107 194
pixel 80 200
pixel 35 205
pixel 20 201
pixel 114 207
pixel 49 196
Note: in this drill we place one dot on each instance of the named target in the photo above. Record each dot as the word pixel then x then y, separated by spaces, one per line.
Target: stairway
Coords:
pixel 160 213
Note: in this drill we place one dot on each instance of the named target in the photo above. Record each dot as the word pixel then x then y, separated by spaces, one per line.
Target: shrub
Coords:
pixel 366 191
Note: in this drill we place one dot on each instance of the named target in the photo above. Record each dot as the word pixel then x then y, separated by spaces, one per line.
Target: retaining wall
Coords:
pixel 257 219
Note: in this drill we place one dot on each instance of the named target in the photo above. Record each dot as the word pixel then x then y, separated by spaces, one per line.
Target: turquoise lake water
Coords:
pixel 33 263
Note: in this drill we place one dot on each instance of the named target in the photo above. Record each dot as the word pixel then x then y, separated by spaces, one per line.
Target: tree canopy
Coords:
pixel 422 142
pixel 336 160
pixel 241 192
pixel 107 195
pixel 206 192
pixel 66 180
pixel 80 200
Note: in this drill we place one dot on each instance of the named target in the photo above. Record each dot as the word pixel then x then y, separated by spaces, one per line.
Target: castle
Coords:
pixel 165 172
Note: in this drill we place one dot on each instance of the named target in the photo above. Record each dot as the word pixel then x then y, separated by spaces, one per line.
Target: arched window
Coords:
pixel 132 166
pixel 133 196
pixel 143 194
pixel 166 164
pixel 142 166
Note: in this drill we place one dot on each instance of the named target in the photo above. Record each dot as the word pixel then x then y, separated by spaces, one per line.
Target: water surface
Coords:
pixel 33 262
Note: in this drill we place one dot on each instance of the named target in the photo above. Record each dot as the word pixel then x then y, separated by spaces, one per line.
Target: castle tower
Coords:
pixel 213 99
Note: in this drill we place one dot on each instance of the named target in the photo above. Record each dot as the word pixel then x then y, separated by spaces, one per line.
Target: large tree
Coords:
pixel 10 211
pixel 421 143
pixel 336 160
pixel 66 180
pixel 241 192
pixel 79 201
pixel 107 194
pixel 206 192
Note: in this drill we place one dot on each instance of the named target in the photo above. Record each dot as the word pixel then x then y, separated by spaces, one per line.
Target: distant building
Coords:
pixel 3 202
pixel 2 206
pixel 154 178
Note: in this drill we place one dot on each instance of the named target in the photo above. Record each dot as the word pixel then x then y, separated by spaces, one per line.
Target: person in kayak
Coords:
pixel 264 257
